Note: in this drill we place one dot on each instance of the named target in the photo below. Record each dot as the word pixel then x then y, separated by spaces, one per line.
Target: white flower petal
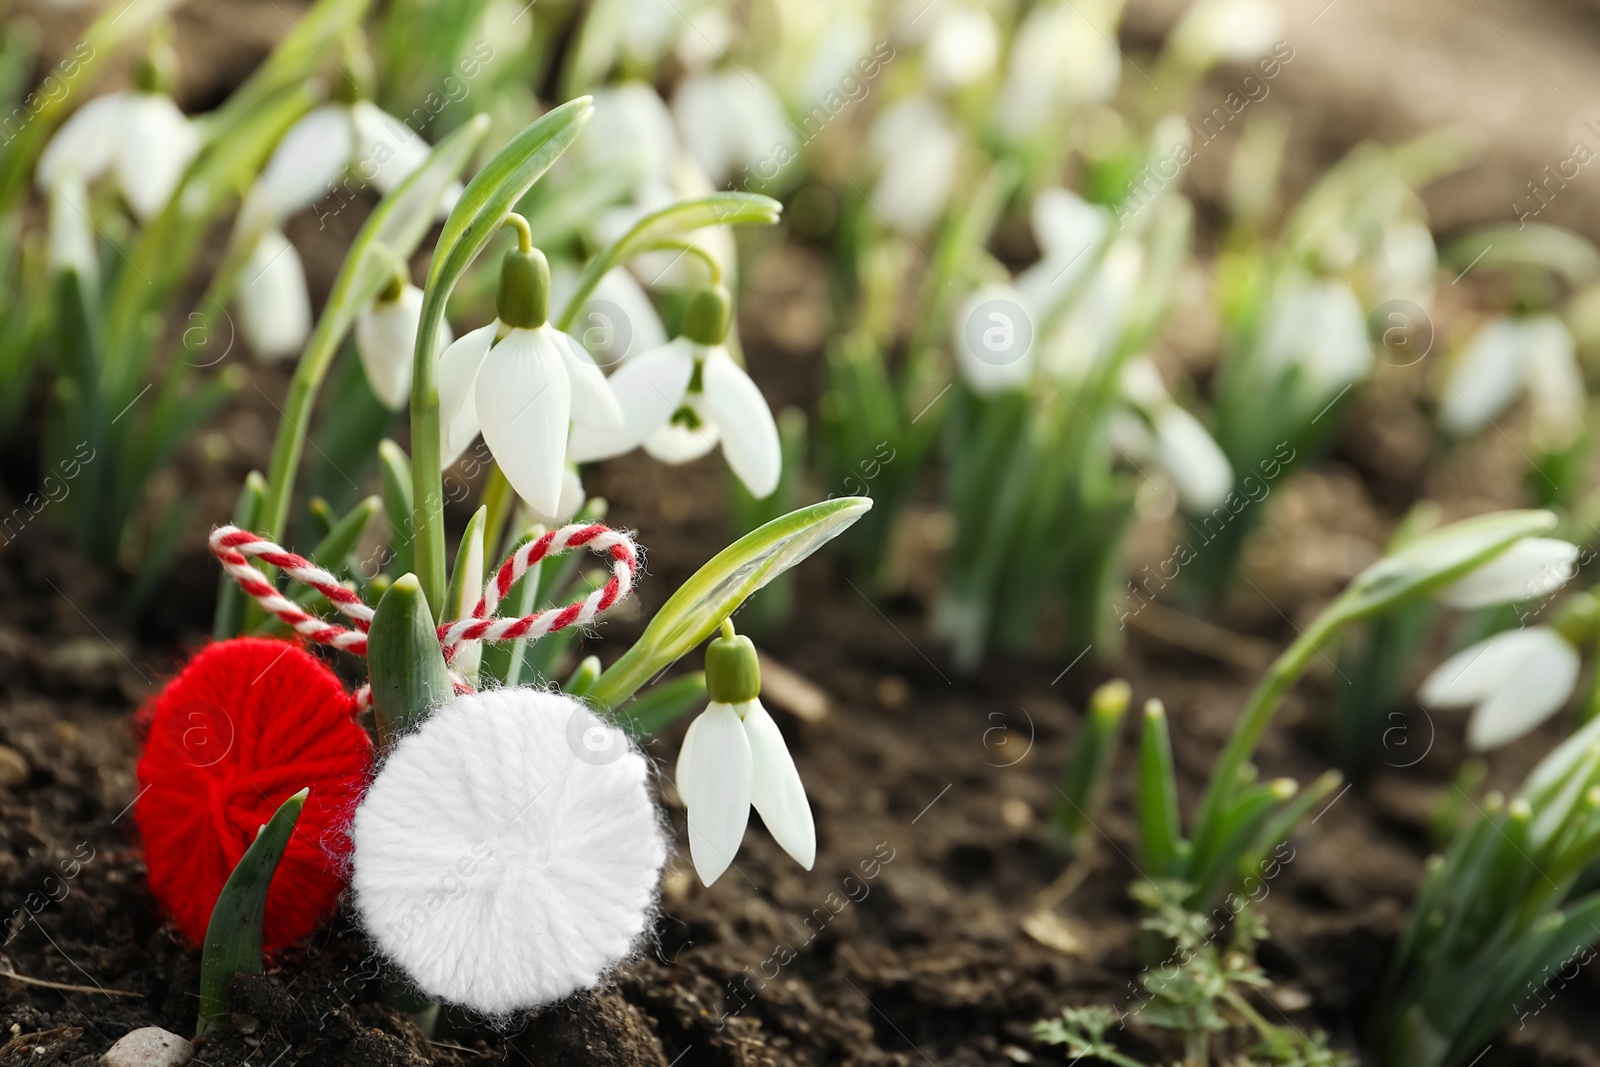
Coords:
pixel 1470 675
pixel 1484 379
pixel 85 143
pixel 1545 674
pixel 457 379
pixel 1556 391
pixel 618 321
pixel 743 420
pixel 273 303
pixel 1067 226
pixel 524 399
pixel 962 46
pixel 675 443
pixel 307 161
pixel 1062 55
pixel 918 149
pixel 632 128
pixel 594 405
pixel 994 341
pixel 648 388
pixel 387 150
pixel 386 338
pixel 71 239
pixel 1195 463
pixel 155 144
pixel 776 791
pixel 1533 567
pixel 714 780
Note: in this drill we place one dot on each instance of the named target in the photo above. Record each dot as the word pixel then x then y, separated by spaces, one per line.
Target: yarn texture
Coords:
pixel 507 854
pixel 246 724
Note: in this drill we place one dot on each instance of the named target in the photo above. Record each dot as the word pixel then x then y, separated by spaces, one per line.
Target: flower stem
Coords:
pixel 296 421
pixel 1264 703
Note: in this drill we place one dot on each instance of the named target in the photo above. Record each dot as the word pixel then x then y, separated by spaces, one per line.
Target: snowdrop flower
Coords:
pixel 962 46
pixel 71 238
pixel 687 397
pixel 1317 328
pixel 1068 230
pixel 731 120
pixel 1506 356
pixel 1406 263
pixel 354 136
pixel 1062 56
pixel 1512 681
pixel 993 337
pixel 916 149
pixel 1234 31
pixel 523 390
pixel 617 321
pixel 386 337
pixel 139 135
pixel 1178 443
pixel 1088 332
pixel 734 758
pixel 273 303
pixel 631 129
pixel 1530 569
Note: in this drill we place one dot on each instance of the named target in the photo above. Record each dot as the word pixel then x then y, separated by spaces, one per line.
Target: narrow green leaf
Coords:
pixel 466 588
pixel 672 221
pixel 479 212
pixel 1160 835
pixel 1083 781
pixel 404 663
pixel 717 589
pixel 395 467
pixel 233 937
pixel 385 243
pixel 582 677
pixel 229 619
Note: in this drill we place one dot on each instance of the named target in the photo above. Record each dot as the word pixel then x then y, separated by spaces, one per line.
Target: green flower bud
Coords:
pixel 733 673
pixel 705 320
pixel 524 298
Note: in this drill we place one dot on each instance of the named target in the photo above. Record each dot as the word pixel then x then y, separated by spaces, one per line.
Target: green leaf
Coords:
pixel 1435 559
pixel 466 589
pixel 384 244
pixel 1160 834
pixel 395 467
pixel 229 619
pixel 672 221
pixel 1083 781
pixel 717 589
pixel 479 212
pixel 404 663
pixel 583 676
pixel 233 937
pixel 336 545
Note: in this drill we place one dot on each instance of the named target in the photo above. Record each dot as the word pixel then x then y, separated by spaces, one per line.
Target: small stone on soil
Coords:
pixel 148 1046
pixel 13 768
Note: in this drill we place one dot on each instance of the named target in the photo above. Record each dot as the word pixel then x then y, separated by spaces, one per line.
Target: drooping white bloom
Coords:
pixel 1531 568
pixel 1089 330
pixel 71 241
pixel 1316 327
pixel 274 307
pixel 734 758
pixel 523 392
pixel 1513 681
pixel 1178 443
pixel 1062 56
pixel 916 149
pixel 1406 263
pixel 359 139
pixel 386 338
pixel 1069 230
pixel 962 47
pixel 617 321
pixel 993 337
pixel 1504 357
pixel 682 400
pixel 729 120
pixel 631 128
pixel 141 137
pixel 1234 31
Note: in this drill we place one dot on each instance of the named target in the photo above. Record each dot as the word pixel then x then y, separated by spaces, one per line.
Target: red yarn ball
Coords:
pixel 247 724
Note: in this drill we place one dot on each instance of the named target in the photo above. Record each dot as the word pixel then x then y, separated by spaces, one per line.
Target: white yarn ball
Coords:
pixel 508 852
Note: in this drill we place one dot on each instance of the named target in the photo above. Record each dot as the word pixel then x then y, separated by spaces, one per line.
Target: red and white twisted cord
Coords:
pixel 233 547
pixel 483 626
